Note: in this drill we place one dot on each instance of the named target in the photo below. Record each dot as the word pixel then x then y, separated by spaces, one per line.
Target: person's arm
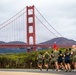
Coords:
pixel 64 54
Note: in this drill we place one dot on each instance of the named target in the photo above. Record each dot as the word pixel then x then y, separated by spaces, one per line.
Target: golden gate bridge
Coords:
pixel 25 17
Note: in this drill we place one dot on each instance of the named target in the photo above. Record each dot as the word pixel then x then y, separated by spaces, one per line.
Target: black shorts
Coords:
pixel 67 61
pixel 60 61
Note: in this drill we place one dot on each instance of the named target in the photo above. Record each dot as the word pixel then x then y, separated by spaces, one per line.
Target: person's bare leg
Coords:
pixel 66 67
pixel 69 67
pixel 57 66
pixel 47 67
pixel 75 65
pixel 62 66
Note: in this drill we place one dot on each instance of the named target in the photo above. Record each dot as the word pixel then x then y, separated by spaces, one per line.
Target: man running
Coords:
pixel 40 60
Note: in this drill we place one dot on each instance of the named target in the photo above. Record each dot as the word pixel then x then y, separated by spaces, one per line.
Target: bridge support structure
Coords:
pixel 30 22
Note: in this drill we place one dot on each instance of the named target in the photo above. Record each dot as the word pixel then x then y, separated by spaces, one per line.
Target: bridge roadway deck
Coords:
pixel 24 45
pixel 33 72
pixel 31 45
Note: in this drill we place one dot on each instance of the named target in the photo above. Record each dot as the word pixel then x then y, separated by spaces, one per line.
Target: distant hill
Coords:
pixel 12 42
pixel 2 42
pixel 16 42
pixel 60 41
pixel 12 50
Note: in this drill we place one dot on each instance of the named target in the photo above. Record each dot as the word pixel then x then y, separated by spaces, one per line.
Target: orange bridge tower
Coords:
pixel 30 23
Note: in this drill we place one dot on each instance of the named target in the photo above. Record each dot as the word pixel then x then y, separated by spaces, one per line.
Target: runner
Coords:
pixel 60 60
pixel 52 60
pixel 73 52
pixel 40 60
pixel 56 59
pixel 67 60
pixel 46 57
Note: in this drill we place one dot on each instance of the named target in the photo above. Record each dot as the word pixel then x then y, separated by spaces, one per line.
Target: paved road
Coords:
pixel 33 72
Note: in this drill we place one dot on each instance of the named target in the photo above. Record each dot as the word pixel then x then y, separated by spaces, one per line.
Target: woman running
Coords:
pixel 67 60
pixel 60 60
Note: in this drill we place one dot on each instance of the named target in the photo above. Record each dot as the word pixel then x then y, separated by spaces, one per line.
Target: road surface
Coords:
pixel 33 72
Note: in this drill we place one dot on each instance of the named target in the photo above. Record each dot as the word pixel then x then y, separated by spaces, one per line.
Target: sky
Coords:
pixel 61 14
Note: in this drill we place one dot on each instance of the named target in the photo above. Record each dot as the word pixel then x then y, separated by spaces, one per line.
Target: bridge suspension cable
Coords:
pixel 45 25
pixel 48 22
pixel 14 28
pixel 11 21
pixel 12 16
